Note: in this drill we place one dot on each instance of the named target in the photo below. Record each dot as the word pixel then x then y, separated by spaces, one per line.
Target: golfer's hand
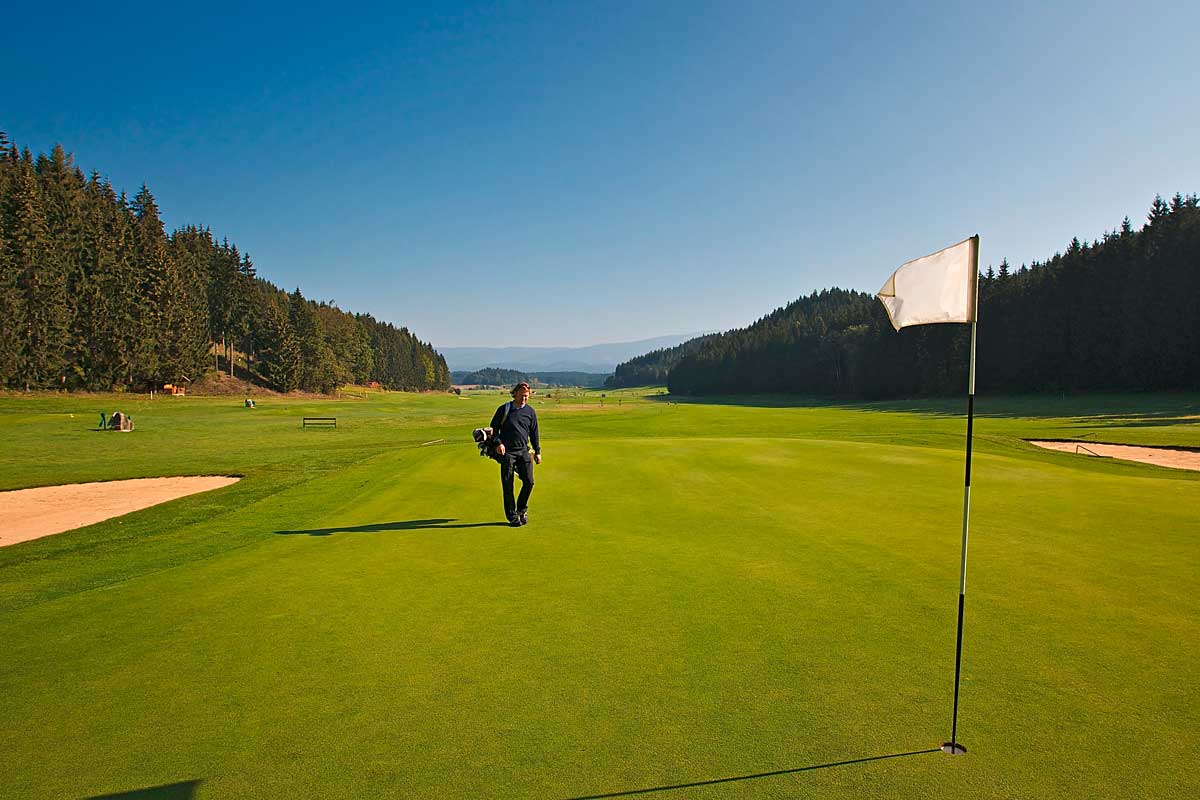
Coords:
pixel 500 449
pixel 537 458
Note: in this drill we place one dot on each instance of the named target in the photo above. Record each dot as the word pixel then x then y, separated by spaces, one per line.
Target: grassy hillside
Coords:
pixel 705 591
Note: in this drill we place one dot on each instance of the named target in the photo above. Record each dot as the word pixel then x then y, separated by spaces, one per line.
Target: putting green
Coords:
pixel 704 592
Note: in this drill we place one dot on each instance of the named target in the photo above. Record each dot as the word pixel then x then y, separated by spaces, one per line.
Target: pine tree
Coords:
pixel 96 322
pixel 279 353
pixel 60 186
pixel 42 283
pixel 191 251
pixel 243 316
pixel 163 316
pixel 317 373
pixel 12 309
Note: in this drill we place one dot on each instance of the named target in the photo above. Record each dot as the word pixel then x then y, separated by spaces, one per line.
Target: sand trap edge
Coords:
pixel 28 514
pixel 1170 457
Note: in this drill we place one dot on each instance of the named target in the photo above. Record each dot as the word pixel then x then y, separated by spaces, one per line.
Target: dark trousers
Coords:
pixel 521 465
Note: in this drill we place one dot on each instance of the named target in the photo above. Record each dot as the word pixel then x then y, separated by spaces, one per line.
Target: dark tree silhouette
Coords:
pixel 1114 314
pixel 94 294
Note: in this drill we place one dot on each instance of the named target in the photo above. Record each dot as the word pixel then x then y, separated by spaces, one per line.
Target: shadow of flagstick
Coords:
pixel 774 773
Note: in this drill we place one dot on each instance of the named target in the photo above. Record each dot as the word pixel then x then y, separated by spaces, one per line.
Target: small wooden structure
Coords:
pixel 328 421
pixel 176 389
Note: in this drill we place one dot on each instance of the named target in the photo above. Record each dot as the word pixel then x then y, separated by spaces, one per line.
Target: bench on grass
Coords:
pixel 330 421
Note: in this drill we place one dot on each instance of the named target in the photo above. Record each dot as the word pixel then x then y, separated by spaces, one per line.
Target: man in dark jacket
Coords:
pixel 516 426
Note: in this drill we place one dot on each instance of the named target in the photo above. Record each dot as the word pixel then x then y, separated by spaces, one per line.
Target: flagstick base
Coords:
pixel 954 749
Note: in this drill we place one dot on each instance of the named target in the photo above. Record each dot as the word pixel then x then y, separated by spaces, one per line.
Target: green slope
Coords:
pixel 705 591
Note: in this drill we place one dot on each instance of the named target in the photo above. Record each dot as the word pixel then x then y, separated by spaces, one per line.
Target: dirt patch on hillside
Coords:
pixel 220 384
pixel 33 513
pixel 1159 456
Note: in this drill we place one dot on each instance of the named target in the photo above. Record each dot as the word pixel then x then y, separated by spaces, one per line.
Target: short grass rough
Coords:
pixel 706 590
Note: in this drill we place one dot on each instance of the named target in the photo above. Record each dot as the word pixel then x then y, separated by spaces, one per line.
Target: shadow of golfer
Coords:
pixel 184 790
pixel 403 525
pixel 631 792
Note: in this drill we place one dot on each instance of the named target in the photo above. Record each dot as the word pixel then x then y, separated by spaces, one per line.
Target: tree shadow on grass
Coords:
pixel 1144 421
pixel 1099 407
pixel 401 525
pixel 184 790
pixel 774 773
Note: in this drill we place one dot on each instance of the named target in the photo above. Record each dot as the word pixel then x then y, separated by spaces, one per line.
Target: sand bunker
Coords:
pixel 1159 456
pixel 33 513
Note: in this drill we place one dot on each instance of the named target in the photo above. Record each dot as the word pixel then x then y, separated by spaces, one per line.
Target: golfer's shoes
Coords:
pixel 515 521
pixel 523 516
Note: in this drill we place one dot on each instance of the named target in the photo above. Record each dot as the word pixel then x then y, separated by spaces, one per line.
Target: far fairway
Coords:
pixel 753 589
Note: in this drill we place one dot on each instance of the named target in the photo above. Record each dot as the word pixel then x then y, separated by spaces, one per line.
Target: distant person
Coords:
pixel 516 425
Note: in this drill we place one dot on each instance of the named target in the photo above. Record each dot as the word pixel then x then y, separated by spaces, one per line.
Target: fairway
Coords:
pixel 757 589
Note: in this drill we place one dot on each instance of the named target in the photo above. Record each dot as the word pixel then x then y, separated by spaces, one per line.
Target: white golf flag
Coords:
pixel 937 288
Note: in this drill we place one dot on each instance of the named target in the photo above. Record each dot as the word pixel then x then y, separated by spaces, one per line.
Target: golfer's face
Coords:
pixel 521 395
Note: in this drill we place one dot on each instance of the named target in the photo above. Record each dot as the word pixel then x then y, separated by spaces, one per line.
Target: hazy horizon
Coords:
pixel 502 174
pixel 597 358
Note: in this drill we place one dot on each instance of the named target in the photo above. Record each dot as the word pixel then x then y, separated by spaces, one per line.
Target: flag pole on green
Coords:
pixel 943 287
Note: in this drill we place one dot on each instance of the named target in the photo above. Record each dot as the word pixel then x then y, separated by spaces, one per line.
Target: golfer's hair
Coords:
pixel 518 385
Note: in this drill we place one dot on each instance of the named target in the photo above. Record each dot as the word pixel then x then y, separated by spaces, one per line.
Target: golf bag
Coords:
pixel 487 440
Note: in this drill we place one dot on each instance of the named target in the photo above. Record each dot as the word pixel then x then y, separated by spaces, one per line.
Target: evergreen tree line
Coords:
pixel 95 295
pixel 499 376
pixel 654 367
pixel 490 376
pixel 1119 313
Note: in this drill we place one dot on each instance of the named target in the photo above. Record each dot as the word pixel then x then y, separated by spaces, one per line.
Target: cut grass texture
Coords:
pixel 706 590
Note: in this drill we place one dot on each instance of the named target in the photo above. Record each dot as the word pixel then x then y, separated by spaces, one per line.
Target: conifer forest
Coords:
pixel 1117 314
pixel 95 295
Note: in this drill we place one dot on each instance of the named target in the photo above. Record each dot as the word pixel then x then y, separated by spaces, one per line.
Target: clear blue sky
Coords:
pixel 613 171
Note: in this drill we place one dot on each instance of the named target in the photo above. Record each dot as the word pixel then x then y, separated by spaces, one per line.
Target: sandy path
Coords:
pixel 1159 456
pixel 33 513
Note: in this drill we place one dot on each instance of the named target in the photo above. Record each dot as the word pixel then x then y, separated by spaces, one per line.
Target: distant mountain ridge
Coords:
pixel 596 358
pixel 494 376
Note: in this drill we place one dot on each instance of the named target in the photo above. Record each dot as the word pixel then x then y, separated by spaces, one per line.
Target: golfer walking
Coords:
pixel 516 425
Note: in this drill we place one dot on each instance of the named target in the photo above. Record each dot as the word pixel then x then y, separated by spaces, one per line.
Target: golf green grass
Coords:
pixel 706 590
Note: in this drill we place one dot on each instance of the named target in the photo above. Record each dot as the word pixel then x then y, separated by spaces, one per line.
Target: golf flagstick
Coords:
pixel 952 746
pixel 943 287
